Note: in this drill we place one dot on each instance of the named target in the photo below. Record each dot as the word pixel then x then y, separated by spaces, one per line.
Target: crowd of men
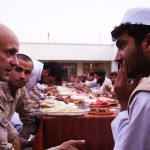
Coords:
pixel 19 74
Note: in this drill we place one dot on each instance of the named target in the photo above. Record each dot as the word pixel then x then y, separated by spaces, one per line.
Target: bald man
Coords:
pixel 9 46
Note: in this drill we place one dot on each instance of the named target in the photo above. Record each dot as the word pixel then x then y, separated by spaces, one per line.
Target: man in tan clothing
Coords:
pixel 14 97
pixel 9 46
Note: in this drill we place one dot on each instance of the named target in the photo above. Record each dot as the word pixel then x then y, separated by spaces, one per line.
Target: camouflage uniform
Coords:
pixel 8 105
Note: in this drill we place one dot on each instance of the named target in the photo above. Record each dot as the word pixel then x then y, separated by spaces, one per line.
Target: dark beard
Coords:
pixel 101 81
pixel 141 64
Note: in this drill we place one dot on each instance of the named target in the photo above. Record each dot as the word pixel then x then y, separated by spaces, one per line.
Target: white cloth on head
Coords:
pixel 35 76
pixel 137 16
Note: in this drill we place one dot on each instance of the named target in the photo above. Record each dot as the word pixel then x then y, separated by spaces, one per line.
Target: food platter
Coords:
pixel 100 113
pixel 69 114
pixel 79 112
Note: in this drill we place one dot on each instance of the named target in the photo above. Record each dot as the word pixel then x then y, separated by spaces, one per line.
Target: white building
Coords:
pixel 77 59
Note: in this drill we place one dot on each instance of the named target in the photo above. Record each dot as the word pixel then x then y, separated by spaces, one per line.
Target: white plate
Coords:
pixel 78 113
pixel 113 109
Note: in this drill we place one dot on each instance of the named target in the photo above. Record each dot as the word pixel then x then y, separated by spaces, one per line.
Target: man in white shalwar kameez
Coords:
pixel 131 128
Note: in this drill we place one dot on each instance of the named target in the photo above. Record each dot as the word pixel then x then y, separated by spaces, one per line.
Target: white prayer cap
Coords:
pixel 137 16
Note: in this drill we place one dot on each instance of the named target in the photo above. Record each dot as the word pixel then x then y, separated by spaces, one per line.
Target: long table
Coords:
pixel 94 129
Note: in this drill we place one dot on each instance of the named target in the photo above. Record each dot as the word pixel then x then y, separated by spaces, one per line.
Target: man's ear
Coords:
pixel 147 43
pixel 45 72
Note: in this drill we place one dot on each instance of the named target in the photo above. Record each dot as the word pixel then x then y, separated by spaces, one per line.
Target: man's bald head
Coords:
pixel 9 46
pixel 6 34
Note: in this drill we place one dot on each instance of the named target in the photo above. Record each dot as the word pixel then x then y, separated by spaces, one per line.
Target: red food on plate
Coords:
pixel 99 102
pixel 100 111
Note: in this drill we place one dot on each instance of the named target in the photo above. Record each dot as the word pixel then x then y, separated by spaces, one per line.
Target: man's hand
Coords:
pixel 7 146
pixel 26 143
pixel 107 90
pixel 51 89
pixel 69 145
pixel 25 133
pixel 122 88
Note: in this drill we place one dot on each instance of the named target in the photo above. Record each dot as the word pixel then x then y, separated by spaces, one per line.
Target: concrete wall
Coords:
pixel 73 53
pixel 84 52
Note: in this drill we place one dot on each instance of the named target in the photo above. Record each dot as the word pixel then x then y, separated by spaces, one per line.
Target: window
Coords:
pixel 89 67
pixel 69 69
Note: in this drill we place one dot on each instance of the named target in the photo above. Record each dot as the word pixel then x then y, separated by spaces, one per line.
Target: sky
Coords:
pixel 65 21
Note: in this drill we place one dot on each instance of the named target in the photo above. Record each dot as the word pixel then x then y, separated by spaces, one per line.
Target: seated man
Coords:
pixel 131 128
pixel 91 80
pixel 102 81
pixel 49 73
pixel 16 98
pixel 109 91
pixel 9 46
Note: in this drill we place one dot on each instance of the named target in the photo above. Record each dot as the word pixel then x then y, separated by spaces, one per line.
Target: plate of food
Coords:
pixel 78 112
pixel 113 102
pixel 99 103
pixel 100 111
pixel 69 109
pixel 110 101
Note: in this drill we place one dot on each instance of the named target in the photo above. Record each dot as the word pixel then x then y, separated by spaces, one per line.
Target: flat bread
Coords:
pixel 45 105
pixel 100 113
